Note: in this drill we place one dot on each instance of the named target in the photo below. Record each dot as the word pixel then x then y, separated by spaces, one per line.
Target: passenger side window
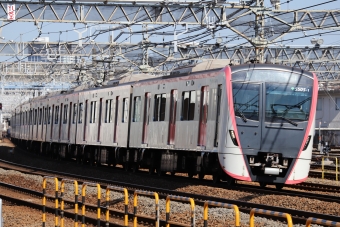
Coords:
pixel 159 107
pixel 46 116
pixel 81 110
pixel 188 105
pixel 125 110
pixel 30 117
pixel 136 109
pixel 35 116
pixel 75 109
pixel 49 115
pixel 56 118
pixel 93 112
pixel 40 115
pixel 108 111
pixel 65 114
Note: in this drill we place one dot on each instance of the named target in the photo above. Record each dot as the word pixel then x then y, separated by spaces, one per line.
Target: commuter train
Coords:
pixel 251 122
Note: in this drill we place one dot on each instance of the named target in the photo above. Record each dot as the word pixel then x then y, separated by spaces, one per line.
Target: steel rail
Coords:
pixel 318 174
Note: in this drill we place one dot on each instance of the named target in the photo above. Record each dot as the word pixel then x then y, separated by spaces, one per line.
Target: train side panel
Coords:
pixel 115 131
pixel 25 128
pixel 15 130
pixel 110 100
pixel 43 119
pixel 68 114
pixel 191 101
pixel 48 108
pixel 55 103
pixel 37 107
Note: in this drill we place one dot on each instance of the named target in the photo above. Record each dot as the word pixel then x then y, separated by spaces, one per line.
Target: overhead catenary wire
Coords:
pixel 184 39
pixel 156 28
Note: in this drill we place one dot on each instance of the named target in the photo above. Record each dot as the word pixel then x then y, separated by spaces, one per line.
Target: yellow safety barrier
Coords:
pixel 271 213
pixel 179 198
pixel 126 203
pixel 135 215
pixel 44 200
pixel 321 222
pixel 62 202
pixel 225 205
pixel 83 192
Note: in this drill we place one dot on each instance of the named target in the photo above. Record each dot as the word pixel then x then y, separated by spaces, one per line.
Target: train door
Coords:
pixel 247 102
pixel 202 131
pixel 172 121
pixel 147 102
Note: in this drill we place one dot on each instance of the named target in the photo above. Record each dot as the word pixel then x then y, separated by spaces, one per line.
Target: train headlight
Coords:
pixel 307 142
pixel 233 137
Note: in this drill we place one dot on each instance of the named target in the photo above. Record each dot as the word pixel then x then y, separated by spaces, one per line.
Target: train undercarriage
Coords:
pixel 155 161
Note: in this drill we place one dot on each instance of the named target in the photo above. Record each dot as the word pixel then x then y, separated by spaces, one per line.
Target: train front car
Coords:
pixel 270 123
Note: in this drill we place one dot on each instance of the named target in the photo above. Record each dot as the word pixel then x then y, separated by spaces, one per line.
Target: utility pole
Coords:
pixel 259 42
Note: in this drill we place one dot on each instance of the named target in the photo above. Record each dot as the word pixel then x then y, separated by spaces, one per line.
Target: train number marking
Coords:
pixel 301 89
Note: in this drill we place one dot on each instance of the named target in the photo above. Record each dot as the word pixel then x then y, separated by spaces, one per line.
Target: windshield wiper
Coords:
pixel 289 107
pixel 241 115
pixel 286 119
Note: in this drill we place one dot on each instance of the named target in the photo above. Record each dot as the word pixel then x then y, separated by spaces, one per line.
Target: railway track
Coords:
pixel 298 216
pixel 316 187
pixel 302 186
pixel 326 167
pixel 327 175
pixel 32 197
pixel 244 187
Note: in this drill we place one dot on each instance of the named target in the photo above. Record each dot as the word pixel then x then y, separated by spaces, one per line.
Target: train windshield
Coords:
pixel 246 101
pixel 287 102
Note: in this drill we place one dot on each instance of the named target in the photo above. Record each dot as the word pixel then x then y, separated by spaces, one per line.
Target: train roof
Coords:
pixel 270 66
pixel 196 68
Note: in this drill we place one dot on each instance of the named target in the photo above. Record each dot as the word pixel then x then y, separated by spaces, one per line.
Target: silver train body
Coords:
pixel 249 122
